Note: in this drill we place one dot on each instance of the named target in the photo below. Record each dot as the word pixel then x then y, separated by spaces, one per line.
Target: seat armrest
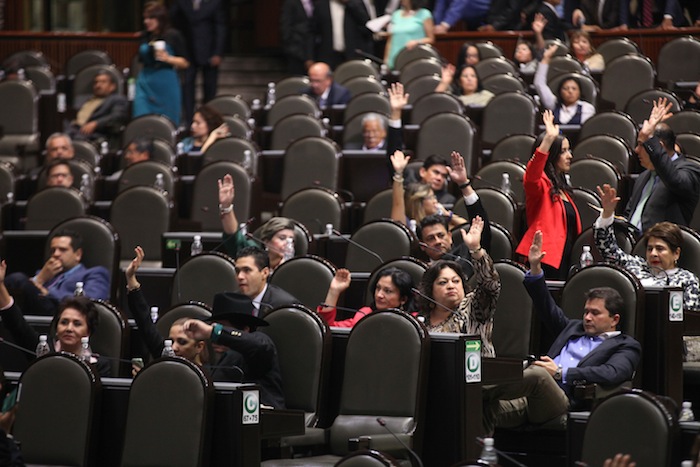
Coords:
pixel 385 442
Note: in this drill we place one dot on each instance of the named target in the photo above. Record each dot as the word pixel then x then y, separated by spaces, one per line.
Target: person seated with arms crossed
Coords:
pixel 57 279
pixel 393 289
pixel 446 306
pixel 75 318
pixel 590 350
pixel 242 353
pixel 103 114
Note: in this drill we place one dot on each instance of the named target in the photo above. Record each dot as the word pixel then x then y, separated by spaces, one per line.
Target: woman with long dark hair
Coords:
pixel 549 201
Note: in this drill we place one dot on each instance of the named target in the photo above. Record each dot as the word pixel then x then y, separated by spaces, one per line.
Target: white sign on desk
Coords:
pixel 251 408
pixel 472 361
pixel 675 305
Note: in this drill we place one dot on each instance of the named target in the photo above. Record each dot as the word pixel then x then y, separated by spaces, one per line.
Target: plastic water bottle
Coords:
pixel 255 104
pixel 86 187
pixel 85 351
pixel 61 102
pixel 586 256
pixel 180 148
pixel 247 160
pixel 154 314
pixel 488 453
pixel 79 289
pixel 168 349
pixel 329 230
pixel 271 95
pixel 197 247
pixel 159 184
pixel 289 249
pixel 413 225
pixel 104 148
pixel 10 197
pixel 505 184
pixel 42 348
pixel 131 89
pixel 687 414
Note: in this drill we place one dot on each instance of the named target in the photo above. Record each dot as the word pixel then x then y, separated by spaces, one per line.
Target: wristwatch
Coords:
pixel 557 374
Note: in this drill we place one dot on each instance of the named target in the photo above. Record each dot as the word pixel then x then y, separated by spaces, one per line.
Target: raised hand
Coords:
pixel 608 199
pixel 536 254
pixel 448 73
pixel 226 191
pixel 397 99
pixel 659 112
pixel 458 171
pixel 473 238
pixel 538 23
pixel 3 270
pixel 399 161
pixel 341 280
pixel 134 266
pixel 549 53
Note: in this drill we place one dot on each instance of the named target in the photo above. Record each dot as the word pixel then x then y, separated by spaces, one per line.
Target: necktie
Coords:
pixel 636 219
pixel 647 13
pixel 196 4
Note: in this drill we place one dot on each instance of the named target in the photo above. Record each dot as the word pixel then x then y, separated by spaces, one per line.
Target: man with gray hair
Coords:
pixel 373 133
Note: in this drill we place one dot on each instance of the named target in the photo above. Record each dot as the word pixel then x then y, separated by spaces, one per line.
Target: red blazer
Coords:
pixel 543 213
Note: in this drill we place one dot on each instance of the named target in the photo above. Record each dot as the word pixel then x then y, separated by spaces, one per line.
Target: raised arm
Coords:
pixel 339 284
pixel 399 161
pixel 488 287
pixel 13 318
pixel 549 100
pixel 446 78
pixel 227 192
pixel 139 307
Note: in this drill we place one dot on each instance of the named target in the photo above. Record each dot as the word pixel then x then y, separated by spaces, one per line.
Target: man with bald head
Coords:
pixel 323 89
pixel 669 188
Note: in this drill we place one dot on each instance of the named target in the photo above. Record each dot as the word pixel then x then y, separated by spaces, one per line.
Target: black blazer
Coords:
pixel 611 13
pixel 357 36
pixel 275 297
pixel 295 25
pixel 204 29
pixel 338 95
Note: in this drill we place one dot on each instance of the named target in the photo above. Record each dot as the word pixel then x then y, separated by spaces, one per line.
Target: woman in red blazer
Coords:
pixel 548 200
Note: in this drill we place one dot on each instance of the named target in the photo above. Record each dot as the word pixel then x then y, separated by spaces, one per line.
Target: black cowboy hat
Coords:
pixel 236 308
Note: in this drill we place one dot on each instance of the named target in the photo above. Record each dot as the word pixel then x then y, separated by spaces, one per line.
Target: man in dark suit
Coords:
pixel 103 114
pixel 611 16
pixel 556 27
pixel 669 188
pixel 323 89
pixel 665 14
pixel 203 23
pixel 252 271
pixel 297 38
pixel 355 34
pixel 590 350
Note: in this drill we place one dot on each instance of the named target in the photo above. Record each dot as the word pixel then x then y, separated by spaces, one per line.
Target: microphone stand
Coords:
pixel 410 451
pixel 361 247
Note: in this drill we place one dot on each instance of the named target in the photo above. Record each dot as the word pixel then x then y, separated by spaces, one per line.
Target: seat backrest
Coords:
pixel 494 66
pixel 43 79
pixel 624 238
pixel 303 343
pixel 111 335
pixel 563 64
pixel 415 267
pixel 488 49
pixel 420 86
pixel 385 375
pixel 86 152
pixel 291 86
pixel 613 48
pixel 421 51
pixel 53 205
pixel 205 194
pixel 386 238
pixel 191 309
pixel 624 77
pixel 685 121
pixel 562 49
pixel 84 59
pixel 22 98
pixel 633 422
pixel 203 276
pixel 314 208
pixel 492 175
pixel 367 458
pixel 607 147
pixel 639 106
pixel 290 105
pixel 504 82
pixel 507 114
pixel 610 123
pixel 591 172
pixel 354 68
pixel 228 104
pixel 163 394
pixel 317 273
pixel 238 127
pixel 294 127
pixel 140 215
pixel 584 199
pixel 7 180
pixel 25 58
pixel 374 102
pixel 421 67
pixel 516 148
pixel 513 316
pixel 74 388
pixel 433 103
pixel 310 162
pixel 606 275
pixel 163 152
pixel 363 84
pixel 378 207
pixel 101 244
pixel 589 88
pixel 690 143
pixel 150 126
pixel 502 244
pixel 144 173
pixel 690 250
pixel 457 133
pixel 233 150
pixel 85 77
pixel 500 206
pixel 675 63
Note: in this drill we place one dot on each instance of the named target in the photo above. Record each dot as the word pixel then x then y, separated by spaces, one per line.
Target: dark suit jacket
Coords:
pixel 661 8
pixel 297 37
pixel 612 363
pixel 505 14
pixel 356 34
pixel 337 95
pixel 111 114
pixel 555 27
pixel 204 29
pixel 611 13
pixel 275 297
pixel 676 192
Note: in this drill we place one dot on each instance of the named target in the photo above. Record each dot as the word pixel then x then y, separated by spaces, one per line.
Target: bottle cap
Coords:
pixel 42 338
pixel 79 285
pixel 488 441
pixel 586 248
pixel 687 404
pixel 84 340
pixel 197 238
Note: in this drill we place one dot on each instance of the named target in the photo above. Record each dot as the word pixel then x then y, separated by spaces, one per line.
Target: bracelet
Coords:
pixel 133 289
pixel 464 185
pixel 216 332
pixel 471 252
pixel 398 177
pixel 449 218
pixel 223 210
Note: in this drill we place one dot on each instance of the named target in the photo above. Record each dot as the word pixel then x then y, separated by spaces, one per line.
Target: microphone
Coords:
pixel 361 247
pixel 240 227
pixel 410 451
pixel 491 184
pixel 480 442
pixel 668 278
pixel 447 254
pixel 15 346
pixel 341 308
pixel 421 294
pixel 256 239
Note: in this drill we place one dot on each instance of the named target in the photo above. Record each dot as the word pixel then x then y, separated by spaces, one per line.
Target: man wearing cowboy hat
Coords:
pixel 234 336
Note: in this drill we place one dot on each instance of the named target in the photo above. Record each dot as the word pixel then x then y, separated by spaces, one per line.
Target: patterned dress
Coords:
pixel 475 313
